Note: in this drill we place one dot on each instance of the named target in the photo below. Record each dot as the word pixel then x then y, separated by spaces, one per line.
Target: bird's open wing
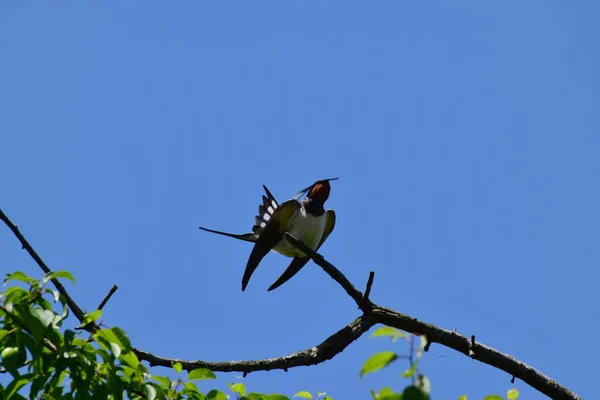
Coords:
pixel 269 236
pixel 299 262
pixel 265 212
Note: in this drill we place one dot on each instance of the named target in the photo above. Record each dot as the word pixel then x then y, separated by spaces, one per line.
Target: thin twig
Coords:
pixel 411 357
pixel 108 296
pixel 368 288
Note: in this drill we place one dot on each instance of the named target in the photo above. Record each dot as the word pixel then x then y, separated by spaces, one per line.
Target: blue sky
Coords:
pixel 466 138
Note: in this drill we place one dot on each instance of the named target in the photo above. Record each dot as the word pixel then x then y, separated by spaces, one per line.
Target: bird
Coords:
pixel 307 220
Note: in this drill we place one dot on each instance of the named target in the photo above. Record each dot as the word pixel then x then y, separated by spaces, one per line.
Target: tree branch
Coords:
pixel 336 343
pixel 332 346
pixel 61 289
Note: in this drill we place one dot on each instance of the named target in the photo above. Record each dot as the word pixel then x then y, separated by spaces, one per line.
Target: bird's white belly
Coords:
pixel 306 227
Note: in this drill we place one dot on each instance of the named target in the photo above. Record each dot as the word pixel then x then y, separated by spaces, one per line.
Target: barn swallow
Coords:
pixel 306 220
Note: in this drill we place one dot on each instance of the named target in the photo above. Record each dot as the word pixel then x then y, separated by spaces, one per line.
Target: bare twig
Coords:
pixel 369 285
pixel 108 296
pixel 472 347
pixel 411 357
pixel 336 343
pixel 426 348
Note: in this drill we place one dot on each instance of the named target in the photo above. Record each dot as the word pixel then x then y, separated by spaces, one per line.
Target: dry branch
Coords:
pixel 332 346
pixel 336 343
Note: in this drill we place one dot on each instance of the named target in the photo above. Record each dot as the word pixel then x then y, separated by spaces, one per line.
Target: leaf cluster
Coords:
pixel 49 361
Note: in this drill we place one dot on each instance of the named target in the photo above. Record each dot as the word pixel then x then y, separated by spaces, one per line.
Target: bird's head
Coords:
pixel 318 191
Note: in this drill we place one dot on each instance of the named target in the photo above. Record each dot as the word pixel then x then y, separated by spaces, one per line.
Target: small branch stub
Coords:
pixel 108 296
pixel 472 347
pixel 368 288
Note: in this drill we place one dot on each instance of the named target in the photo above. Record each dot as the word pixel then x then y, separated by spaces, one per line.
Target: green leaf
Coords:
pixel 37 385
pixel 45 316
pixel 54 294
pixel 512 394
pixel 191 386
pixel 90 317
pixel 394 333
pixel 123 339
pixel 164 381
pixel 130 359
pixel 414 393
pixel 177 367
pixel 257 396
pixel 493 397
pixel 199 374
pixel 463 397
pixel 18 276
pixel 150 392
pixel 31 321
pixel 58 274
pixel 15 295
pixel 304 395
pixel 411 371
pixel 107 335
pixel 277 397
pixel 115 349
pixel 423 383
pixel 215 394
pixel 12 388
pixel 3 334
pixel 387 394
pixel 190 395
pixel 103 342
pixel 377 362
pixel 129 373
pixel 238 388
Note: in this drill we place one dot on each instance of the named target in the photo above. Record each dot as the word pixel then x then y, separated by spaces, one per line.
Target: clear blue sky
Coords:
pixel 465 134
